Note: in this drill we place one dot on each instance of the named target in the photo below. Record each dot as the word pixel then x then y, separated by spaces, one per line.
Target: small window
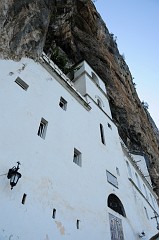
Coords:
pixel 63 103
pixel 54 213
pixel 146 213
pixel 95 78
pixel 146 194
pixel 129 169
pixel 138 182
pixel 78 224
pixel 21 83
pixel 155 203
pixel 109 126
pixel 152 201
pixel 42 128
pixel 24 198
pixel 112 179
pixel 102 134
pixel 77 157
pixel 117 171
pixel 99 103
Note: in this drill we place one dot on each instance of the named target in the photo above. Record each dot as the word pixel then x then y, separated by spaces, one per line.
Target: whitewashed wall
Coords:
pixel 49 177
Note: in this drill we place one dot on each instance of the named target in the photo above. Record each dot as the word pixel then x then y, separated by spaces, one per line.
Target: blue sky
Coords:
pixel 136 25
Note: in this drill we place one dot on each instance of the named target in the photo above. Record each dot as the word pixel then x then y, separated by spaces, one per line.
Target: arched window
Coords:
pixel 95 78
pixel 115 204
pixel 99 101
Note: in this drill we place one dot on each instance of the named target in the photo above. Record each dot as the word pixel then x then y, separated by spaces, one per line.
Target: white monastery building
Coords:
pixel 78 180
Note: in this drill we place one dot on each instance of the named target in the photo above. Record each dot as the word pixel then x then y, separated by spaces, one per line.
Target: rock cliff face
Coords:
pixel 23 27
pixel 72 30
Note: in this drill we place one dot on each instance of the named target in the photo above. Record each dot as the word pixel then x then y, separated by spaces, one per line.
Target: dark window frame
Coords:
pixel 63 103
pixel 42 128
pixel 21 83
pixel 77 157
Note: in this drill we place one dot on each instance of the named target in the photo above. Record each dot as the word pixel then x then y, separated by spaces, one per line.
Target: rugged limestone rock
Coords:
pixel 23 27
pixel 72 30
